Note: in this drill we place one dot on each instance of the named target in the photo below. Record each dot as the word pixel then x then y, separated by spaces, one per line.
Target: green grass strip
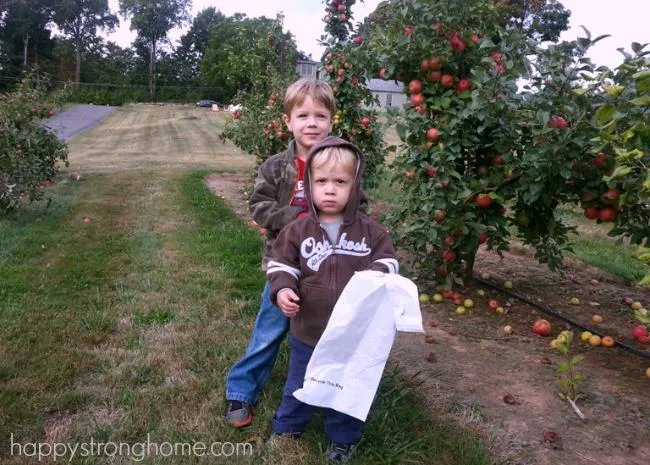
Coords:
pixel 399 431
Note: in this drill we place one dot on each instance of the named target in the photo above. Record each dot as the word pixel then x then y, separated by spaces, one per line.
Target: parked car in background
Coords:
pixel 208 103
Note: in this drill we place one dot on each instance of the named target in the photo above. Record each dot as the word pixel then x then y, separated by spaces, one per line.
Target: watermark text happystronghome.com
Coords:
pixel 138 451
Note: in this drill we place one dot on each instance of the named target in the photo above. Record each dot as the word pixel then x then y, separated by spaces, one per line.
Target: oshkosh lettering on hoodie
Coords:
pixel 315 268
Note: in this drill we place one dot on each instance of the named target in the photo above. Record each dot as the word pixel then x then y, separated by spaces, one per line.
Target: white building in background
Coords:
pixel 307 68
pixel 388 93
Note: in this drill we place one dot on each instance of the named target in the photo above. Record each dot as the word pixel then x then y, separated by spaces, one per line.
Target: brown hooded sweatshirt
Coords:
pixel 305 260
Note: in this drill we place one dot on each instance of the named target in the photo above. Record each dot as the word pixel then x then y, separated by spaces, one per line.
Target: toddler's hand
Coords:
pixel 287 301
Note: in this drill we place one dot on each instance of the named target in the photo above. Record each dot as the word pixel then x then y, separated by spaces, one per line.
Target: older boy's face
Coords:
pixel 331 185
pixel 310 123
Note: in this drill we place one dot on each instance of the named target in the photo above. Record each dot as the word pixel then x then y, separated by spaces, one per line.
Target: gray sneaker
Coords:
pixel 239 413
pixel 340 453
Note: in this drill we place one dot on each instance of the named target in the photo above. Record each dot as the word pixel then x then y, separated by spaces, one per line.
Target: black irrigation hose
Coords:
pixel 550 312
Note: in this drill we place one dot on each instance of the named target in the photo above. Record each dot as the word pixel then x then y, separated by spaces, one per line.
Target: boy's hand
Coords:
pixel 287 301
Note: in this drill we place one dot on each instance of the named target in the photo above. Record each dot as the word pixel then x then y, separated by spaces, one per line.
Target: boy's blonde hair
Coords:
pixel 318 90
pixel 335 156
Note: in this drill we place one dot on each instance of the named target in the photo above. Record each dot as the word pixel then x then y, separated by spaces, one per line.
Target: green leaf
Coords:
pixel 605 114
pixel 619 172
pixel 614 91
pixel 577 359
pixel 641 101
pixel 486 43
pixel 636 47
pixel 579 91
pixel 587 33
pixel 641 75
pixel 401 131
pixel 543 117
pixel 562 368
pixel 604 36
pixel 645 281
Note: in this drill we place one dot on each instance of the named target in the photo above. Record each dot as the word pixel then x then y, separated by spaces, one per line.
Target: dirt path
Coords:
pixel 506 386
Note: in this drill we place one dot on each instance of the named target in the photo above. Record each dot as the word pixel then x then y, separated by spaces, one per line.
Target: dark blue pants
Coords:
pixel 292 416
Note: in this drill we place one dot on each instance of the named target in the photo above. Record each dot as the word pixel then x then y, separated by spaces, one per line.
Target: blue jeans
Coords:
pixel 248 376
pixel 292 415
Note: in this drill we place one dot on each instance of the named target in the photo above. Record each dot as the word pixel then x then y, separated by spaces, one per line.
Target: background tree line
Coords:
pixel 62 39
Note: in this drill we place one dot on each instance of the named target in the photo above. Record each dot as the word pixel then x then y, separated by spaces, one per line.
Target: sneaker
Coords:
pixel 340 453
pixel 239 413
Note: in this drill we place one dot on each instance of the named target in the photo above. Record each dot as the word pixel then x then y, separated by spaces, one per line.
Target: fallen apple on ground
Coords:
pixel 437 298
pixel 636 305
pixel 468 303
pixel 460 310
pixel 597 319
pixel 594 340
pixel 507 329
pixel 507 284
pixel 481 292
pixel 607 341
pixel 424 298
pixel 542 327
pixel 574 301
pixel 585 336
pixel 500 310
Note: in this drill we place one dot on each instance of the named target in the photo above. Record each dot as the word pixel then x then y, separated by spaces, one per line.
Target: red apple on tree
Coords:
pixel 600 161
pixel 591 213
pixel 408 30
pixel 365 121
pixel 415 86
pixel 464 85
pixel 611 196
pixel 358 40
pixel 433 134
pixel 498 160
pixel 447 81
pixel 607 214
pixel 558 122
pixel 440 215
pixel 435 76
pixel 417 99
pixel 483 200
pixel 449 255
pixel 431 171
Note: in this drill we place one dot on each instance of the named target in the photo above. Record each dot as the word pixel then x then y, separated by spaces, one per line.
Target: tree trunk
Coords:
pixel 152 71
pixel 468 266
pixel 77 70
pixel 25 46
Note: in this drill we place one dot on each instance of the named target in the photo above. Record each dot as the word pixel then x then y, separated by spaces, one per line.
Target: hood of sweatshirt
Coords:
pixel 352 208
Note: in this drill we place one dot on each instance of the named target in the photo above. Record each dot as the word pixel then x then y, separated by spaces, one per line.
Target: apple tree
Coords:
pixel 30 154
pixel 622 116
pixel 347 61
pixel 496 135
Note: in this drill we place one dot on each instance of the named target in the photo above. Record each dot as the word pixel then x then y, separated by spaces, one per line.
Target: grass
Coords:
pixel 592 245
pixel 125 328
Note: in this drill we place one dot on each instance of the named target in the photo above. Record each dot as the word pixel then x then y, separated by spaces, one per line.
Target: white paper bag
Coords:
pixel 347 364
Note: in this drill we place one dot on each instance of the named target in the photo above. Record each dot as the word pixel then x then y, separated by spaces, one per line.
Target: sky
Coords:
pixel 624 20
